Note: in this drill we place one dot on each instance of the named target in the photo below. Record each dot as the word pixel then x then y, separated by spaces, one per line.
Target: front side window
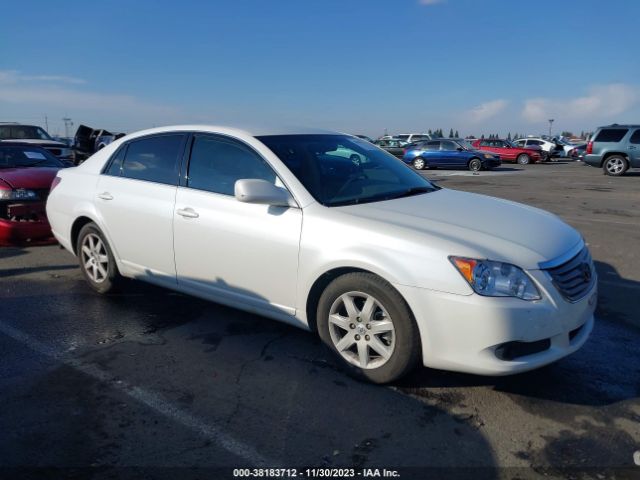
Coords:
pixel 216 163
pixel 154 159
pixel 432 146
pixel 611 134
pixel 335 180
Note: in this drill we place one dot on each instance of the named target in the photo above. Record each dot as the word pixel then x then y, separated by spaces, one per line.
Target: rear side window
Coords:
pixel 115 167
pixel 432 146
pixel 611 134
pixel 154 159
pixel 448 145
pixel 635 138
pixel 217 163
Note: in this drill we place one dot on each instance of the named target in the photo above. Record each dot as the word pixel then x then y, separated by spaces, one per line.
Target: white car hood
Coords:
pixel 468 224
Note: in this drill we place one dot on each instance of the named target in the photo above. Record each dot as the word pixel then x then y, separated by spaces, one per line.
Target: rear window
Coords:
pixel 611 134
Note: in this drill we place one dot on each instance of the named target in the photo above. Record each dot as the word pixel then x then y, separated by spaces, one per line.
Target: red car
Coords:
pixel 507 151
pixel 26 173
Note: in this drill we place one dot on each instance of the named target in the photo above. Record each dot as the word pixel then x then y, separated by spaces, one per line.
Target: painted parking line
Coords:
pixel 151 399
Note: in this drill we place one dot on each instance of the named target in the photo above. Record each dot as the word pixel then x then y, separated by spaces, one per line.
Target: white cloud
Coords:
pixel 14 76
pixel 46 94
pixel 600 101
pixel 430 2
pixel 486 110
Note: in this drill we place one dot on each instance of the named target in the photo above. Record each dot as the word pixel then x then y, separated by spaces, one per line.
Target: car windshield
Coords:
pixel 12 132
pixel 466 144
pixel 340 170
pixel 18 156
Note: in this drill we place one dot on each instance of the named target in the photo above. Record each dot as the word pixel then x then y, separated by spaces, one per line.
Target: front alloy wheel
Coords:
pixel 368 325
pixel 418 163
pixel 361 330
pixel 475 165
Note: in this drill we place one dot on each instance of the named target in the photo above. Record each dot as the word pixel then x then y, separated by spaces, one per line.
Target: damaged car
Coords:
pixel 26 175
pixel 89 140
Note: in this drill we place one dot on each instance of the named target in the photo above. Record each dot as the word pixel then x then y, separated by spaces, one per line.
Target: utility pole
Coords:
pixel 67 125
pixel 550 124
pixel 46 123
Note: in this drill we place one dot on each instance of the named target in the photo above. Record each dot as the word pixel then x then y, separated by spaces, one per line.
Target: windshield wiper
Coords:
pixel 411 192
pixel 381 198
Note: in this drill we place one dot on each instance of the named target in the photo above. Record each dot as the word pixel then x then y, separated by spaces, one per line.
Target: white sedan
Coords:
pixel 386 267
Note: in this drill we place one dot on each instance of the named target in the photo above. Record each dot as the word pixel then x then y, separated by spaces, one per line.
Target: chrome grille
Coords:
pixel 574 278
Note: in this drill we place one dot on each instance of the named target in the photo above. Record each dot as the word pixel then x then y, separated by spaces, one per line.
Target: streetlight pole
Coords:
pixel 550 124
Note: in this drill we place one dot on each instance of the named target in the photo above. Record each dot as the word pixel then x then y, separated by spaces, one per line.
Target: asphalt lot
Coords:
pixel 152 379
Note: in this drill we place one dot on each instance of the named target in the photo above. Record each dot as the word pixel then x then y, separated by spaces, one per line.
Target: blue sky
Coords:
pixel 362 66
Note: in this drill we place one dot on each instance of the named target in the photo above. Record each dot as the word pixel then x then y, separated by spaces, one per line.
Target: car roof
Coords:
pixel 615 125
pixel 253 131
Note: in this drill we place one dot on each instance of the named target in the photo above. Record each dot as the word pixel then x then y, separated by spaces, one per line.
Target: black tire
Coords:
pixel 475 165
pixel 406 351
pixel 523 159
pixel 615 165
pixel 419 163
pixel 112 278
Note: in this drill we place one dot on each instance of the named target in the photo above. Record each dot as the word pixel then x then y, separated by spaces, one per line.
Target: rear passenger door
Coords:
pixel 450 155
pixel 135 198
pixel 431 153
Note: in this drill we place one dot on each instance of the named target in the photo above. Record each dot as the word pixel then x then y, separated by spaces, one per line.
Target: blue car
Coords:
pixel 449 153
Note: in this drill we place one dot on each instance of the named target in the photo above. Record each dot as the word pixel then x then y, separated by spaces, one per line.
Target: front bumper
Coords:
pixel 27 224
pixel 471 333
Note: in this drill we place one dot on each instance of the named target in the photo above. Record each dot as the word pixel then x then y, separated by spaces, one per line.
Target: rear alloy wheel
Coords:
pixel 368 325
pixel 615 165
pixel 523 159
pixel 96 259
pixel 475 165
pixel 419 163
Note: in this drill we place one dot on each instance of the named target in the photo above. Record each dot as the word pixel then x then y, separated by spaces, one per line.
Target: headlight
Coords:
pixel 19 194
pixel 486 155
pixel 496 279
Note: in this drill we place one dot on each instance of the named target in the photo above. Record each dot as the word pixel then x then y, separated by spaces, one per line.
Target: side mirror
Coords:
pixel 459 149
pixel 253 190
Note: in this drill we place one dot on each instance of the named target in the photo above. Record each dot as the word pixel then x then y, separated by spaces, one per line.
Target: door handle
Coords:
pixel 632 148
pixel 187 212
pixel 105 196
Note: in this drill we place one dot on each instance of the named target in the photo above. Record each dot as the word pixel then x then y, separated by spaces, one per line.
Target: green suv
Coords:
pixel 615 148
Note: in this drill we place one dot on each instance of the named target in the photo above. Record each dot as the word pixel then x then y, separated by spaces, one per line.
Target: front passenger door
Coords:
pixel 227 250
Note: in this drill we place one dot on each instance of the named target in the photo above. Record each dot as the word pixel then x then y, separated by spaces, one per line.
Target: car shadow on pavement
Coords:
pixel 9 272
pixel 8 252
